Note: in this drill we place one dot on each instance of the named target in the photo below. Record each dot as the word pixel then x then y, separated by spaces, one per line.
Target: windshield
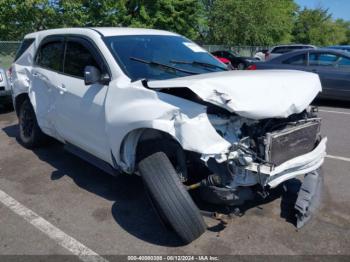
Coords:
pixel 156 57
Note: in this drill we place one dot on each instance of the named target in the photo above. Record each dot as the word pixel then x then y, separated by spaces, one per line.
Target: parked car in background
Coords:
pixel 340 47
pixel 226 62
pixel 283 49
pixel 5 91
pixel 260 54
pixel 237 61
pixel 332 66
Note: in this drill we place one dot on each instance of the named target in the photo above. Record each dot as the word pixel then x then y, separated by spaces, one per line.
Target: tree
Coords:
pixel 181 16
pixel 346 27
pixel 254 22
pixel 315 26
pixel 18 18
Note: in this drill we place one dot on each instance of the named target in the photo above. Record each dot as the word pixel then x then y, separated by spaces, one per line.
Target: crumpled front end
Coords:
pixel 267 132
pixel 263 155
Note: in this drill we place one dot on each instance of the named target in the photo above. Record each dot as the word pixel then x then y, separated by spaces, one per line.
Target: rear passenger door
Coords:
pixel 44 76
pixel 80 108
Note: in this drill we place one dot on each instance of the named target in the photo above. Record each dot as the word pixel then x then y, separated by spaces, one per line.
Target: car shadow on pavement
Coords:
pixel 5 109
pixel 131 209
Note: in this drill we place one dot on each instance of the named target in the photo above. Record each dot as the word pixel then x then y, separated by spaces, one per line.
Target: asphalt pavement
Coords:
pixel 59 204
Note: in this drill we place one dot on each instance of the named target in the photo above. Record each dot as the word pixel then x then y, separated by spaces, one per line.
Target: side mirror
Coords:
pixel 92 75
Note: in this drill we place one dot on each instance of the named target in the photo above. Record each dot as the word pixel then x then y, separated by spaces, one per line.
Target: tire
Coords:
pixel 30 133
pixel 171 198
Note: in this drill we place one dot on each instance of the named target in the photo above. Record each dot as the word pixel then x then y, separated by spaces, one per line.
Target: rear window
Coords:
pixel 23 47
pixel 296 60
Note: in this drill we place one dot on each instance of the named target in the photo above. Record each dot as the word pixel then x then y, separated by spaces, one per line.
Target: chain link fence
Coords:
pixel 7 52
pixel 241 50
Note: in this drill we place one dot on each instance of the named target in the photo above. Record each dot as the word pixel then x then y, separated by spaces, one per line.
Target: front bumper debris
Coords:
pixel 309 197
pixel 299 165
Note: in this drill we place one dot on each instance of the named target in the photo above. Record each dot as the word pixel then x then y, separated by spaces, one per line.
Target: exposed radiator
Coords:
pixel 291 142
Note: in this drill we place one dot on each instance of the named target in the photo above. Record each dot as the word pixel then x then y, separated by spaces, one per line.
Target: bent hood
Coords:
pixel 252 94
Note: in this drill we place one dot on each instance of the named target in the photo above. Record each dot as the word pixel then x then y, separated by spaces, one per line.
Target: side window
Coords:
pixel 23 47
pixel 322 59
pixel 77 57
pixel 296 60
pixel 344 62
pixel 50 56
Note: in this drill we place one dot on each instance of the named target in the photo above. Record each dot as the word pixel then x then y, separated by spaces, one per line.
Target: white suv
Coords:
pixel 154 103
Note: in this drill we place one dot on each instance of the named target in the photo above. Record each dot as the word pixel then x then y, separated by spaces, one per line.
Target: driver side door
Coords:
pixel 80 108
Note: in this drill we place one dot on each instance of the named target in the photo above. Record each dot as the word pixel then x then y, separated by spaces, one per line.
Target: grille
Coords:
pixel 291 142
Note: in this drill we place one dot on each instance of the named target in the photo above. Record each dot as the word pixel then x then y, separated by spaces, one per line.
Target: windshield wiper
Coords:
pixel 207 65
pixel 162 65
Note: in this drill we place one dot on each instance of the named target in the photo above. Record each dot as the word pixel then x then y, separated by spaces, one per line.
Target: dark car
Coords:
pixel 331 65
pixel 237 61
pixel 340 47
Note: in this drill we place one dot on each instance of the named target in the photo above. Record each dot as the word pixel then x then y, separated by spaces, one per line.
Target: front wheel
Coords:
pixel 30 133
pixel 172 200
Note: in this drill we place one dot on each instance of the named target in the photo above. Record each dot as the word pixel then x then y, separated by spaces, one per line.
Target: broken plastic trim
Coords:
pixel 308 198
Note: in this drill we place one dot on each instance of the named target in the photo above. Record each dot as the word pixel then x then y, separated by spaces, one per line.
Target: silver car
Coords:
pixel 283 49
pixel 5 91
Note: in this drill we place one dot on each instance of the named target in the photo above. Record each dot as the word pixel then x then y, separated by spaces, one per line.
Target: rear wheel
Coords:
pixel 170 198
pixel 30 133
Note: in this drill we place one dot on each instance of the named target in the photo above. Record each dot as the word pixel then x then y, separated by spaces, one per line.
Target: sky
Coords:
pixel 338 8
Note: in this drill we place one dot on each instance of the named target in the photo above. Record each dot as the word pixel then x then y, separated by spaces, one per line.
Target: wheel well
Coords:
pixel 141 143
pixel 154 140
pixel 19 101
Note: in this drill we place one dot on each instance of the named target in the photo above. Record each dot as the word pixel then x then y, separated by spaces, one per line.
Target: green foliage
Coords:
pixel 254 22
pixel 345 25
pixel 181 16
pixel 316 26
pixel 228 22
pixel 18 18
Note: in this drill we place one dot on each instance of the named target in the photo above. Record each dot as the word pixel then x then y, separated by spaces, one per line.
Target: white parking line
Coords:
pixel 64 240
pixel 339 158
pixel 335 112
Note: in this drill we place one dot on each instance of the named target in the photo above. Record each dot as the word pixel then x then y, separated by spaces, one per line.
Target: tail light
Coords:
pixel 251 67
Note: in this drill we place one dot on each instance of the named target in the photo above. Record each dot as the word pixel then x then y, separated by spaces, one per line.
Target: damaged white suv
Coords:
pixel 156 104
